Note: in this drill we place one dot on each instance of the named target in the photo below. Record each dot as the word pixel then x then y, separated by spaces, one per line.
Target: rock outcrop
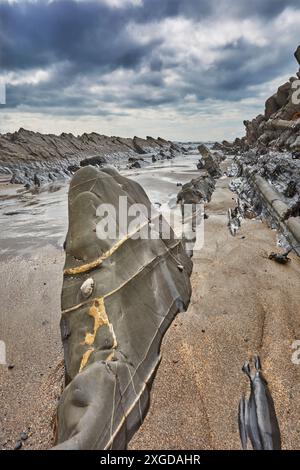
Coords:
pixel 210 161
pixel 24 154
pixel 119 296
pixel 197 190
pixel 267 160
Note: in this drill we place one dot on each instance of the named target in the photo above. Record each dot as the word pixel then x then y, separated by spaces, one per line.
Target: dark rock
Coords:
pixel 297 54
pixel 200 165
pixel 24 436
pixel 135 164
pixel 36 180
pixel 209 161
pixel 135 159
pixel 18 445
pixel 73 168
pixel 257 417
pixel 197 190
pixel 94 161
pixel 291 189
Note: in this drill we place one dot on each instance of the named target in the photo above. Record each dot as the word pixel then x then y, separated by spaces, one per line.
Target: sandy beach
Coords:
pixel 30 315
pixel 242 304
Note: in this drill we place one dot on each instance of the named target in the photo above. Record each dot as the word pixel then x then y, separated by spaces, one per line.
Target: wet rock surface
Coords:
pixel 258 422
pixel 118 299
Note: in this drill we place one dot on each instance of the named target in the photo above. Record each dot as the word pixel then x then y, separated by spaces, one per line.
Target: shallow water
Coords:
pixel 32 220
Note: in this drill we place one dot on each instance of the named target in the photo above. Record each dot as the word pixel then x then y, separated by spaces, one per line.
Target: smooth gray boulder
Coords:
pixel 119 296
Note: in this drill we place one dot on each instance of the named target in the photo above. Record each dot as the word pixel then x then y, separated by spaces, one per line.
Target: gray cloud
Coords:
pixel 72 57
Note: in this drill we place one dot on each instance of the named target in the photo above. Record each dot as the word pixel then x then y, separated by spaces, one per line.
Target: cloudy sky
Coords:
pixel 182 69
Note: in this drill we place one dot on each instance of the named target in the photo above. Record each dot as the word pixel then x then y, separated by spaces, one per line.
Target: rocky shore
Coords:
pixel 31 158
pixel 266 162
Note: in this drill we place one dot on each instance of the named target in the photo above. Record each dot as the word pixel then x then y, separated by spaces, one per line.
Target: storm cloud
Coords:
pixel 184 69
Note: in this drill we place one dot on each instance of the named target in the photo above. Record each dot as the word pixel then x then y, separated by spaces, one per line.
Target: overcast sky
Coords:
pixel 182 69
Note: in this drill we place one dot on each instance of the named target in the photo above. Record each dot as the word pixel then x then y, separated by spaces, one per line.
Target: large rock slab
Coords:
pixel 119 296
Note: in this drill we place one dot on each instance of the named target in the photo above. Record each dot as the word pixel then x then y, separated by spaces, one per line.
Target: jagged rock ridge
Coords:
pixel 24 153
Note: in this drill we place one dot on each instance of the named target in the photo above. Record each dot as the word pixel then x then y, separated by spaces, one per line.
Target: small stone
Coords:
pixel 180 267
pixel 203 331
pixel 10 366
pixel 24 436
pixel 18 445
pixel 87 287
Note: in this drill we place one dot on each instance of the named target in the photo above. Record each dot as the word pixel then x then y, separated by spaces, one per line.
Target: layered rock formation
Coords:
pixel 119 297
pixel 197 190
pixel 210 161
pixel 24 154
pixel 267 161
pixel 279 127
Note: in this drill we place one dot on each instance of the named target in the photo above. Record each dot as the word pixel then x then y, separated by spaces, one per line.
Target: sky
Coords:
pixel 186 70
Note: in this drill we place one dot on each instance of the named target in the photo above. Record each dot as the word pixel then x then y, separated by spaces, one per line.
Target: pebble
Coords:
pixel 24 436
pixel 10 366
pixel 180 267
pixel 87 287
pixel 18 445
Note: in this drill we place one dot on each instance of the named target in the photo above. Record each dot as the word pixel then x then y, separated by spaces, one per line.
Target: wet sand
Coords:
pixel 242 304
